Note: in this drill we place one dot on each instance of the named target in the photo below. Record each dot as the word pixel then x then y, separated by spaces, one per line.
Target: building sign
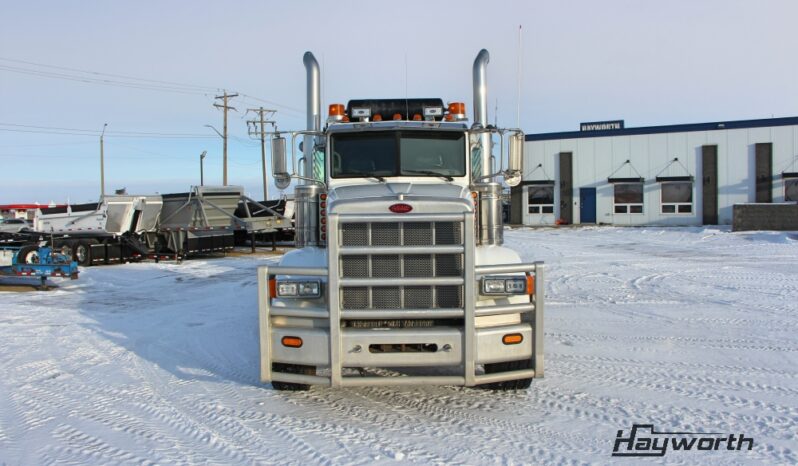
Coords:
pixel 601 125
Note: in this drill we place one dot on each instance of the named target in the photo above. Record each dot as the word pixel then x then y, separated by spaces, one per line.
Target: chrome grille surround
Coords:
pixel 399 265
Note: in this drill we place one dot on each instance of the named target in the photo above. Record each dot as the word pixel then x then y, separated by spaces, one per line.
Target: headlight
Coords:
pixel 296 289
pixel 504 285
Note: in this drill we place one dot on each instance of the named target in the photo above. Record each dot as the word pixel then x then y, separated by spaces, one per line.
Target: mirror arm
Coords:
pixel 294 134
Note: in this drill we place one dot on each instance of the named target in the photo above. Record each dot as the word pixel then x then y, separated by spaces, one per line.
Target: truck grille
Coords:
pixel 399 234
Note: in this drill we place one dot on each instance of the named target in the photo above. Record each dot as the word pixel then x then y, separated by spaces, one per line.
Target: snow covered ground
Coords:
pixel 686 329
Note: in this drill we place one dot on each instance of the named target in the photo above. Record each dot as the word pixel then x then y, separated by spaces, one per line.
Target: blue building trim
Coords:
pixel 721 125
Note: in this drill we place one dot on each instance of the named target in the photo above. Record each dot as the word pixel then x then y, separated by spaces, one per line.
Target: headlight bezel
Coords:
pixel 510 286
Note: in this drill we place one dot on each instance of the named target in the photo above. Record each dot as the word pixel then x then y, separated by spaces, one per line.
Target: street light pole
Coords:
pixel 202 176
pixel 224 175
pixel 102 164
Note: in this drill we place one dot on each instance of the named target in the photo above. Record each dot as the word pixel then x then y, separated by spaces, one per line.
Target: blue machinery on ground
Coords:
pixel 37 262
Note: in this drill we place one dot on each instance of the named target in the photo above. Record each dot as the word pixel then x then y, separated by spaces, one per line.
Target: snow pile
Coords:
pixel 688 329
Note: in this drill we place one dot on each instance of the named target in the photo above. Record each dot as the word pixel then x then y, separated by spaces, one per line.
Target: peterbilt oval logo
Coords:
pixel 400 208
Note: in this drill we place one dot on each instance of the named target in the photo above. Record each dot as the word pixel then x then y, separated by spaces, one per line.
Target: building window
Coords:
pixel 540 199
pixel 791 190
pixel 677 197
pixel 628 198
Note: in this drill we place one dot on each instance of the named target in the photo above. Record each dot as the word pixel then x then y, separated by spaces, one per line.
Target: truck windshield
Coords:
pixel 398 153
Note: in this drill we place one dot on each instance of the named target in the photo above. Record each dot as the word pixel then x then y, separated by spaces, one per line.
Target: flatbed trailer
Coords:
pixel 33 261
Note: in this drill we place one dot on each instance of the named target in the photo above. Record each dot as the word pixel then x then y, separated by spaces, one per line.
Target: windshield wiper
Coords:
pixel 368 175
pixel 430 172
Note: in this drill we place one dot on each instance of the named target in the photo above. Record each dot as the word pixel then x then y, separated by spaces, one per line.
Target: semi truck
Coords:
pixel 123 228
pixel 400 275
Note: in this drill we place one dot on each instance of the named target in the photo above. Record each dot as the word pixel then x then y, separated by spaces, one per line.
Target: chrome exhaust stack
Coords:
pixel 491 228
pixel 481 112
pixel 313 110
pixel 307 193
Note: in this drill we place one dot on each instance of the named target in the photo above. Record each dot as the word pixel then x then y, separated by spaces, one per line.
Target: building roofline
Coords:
pixel 713 126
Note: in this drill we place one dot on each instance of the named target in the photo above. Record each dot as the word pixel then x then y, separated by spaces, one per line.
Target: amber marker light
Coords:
pixel 337 110
pixel 457 108
pixel 292 342
pixel 512 339
pixel 273 288
pixel 530 284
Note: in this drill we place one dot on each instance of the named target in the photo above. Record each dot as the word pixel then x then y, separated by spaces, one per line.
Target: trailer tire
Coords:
pixel 520 384
pixel 292 369
pixel 83 253
pixel 28 254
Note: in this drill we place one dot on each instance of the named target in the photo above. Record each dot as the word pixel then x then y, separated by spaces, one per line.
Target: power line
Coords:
pixel 141 136
pixel 97 73
pixel 294 109
pixel 96 77
pixel 207 88
pixel 107 132
pixel 103 82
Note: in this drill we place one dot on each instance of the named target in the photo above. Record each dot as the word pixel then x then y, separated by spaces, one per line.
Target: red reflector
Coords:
pixel 400 208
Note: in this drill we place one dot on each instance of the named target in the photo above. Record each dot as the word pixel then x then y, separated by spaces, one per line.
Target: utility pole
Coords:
pixel 202 175
pixel 102 164
pixel 224 108
pixel 255 130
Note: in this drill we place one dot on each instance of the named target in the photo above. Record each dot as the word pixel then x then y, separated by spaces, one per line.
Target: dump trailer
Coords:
pixel 100 233
pixel 280 210
pixel 400 276
pixel 123 228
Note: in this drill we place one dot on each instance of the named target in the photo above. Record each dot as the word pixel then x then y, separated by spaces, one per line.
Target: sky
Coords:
pixel 151 70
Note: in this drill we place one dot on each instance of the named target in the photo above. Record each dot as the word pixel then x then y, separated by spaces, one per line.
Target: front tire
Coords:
pixel 520 384
pixel 292 369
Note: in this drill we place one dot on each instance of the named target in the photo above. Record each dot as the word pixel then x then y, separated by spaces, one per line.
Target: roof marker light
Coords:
pixel 336 112
pixel 456 111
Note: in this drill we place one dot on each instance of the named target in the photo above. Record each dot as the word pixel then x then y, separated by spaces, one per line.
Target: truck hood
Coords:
pixel 382 190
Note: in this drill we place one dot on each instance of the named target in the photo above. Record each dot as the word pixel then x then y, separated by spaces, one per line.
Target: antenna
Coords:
pixel 518 97
pixel 407 104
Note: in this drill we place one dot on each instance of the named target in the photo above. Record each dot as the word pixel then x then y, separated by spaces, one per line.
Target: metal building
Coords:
pixel 690 174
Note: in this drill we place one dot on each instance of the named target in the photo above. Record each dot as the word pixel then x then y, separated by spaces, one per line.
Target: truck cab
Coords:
pixel 399 276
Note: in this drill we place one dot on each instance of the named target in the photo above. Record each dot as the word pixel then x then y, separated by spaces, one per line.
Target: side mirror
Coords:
pixel 282 178
pixel 515 160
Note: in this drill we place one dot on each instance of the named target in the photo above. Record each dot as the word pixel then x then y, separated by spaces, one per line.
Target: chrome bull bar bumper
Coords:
pixel 326 344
